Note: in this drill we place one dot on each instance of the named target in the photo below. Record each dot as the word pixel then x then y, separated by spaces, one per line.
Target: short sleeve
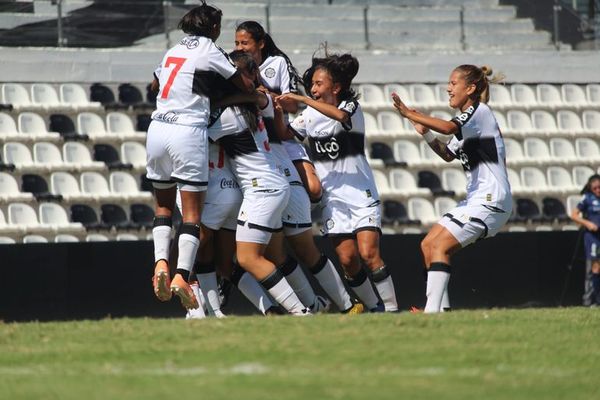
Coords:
pixel 582 205
pixel 298 126
pixel 453 145
pixel 349 107
pixel 461 119
pixel 268 111
pixel 285 78
pixel 219 61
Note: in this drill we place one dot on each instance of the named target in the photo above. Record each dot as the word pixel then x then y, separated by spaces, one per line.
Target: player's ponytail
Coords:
pixel 201 20
pixel 588 185
pixel 342 68
pixel 257 32
pixel 481 77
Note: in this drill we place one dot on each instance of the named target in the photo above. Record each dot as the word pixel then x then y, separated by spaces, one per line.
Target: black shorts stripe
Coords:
pixel 457 222
pixel 301 225
pixel 159 180
pixel 494 209
pixel 485 227
pixel 259 227
pixel 191 183
pixel 368 228
pixel 296 183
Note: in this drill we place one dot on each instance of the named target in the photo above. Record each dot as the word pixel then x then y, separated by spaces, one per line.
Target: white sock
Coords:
pixel 210 289
pixel 330 281
pixel 283 293
pixel 161 235
pixel 300 284
pixel 254 292
pixel 188 247
pixel 437 281
pixel 364 290
pixel 196 313
pixel 385 286
pixel 445 301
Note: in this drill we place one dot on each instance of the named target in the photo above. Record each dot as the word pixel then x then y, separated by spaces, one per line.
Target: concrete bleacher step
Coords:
pixel 422 3
pixel 333 12
pixel 300 24
pixel 437 14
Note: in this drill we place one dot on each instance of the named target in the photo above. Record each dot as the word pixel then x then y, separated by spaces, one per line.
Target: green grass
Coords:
pixel 491 354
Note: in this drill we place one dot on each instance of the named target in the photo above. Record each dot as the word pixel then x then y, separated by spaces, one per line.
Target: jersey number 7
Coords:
pixel 178 62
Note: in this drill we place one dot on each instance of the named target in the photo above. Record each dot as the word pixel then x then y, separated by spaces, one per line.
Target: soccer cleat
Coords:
pixel 161 281
pixel 305 312
pixel 183 290
pixel 380 307
pixel 274 310
pixel 321 305
pixel 357 308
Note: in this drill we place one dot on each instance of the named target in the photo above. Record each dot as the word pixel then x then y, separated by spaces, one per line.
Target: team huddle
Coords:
pixel 222 148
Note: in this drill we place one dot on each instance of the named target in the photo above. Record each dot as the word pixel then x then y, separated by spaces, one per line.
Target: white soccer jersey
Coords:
pixel 276 75
pixel 338 152
pixel 480 148
pixel 185 73
pixel 222 185
pixel 252 161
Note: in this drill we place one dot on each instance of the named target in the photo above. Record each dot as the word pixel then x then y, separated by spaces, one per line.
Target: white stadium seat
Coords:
pixel 422 96
pixel 74 96
pixel 421 209
pixel 523 96
pixel 591 121
pixel 543 122
pixel 441 94
pixel 580 175
pixel 573 96
pixel 514 151
pixel 33 127
pixel 403 183
pixel 592 91
pixel 559 180
pixel 19 154
pixel 381 181
pixel 54 216
pixel 9 190
pixel 118 123
pixel 397 88
pixel 536 149
pixel 48 155
pixel 7 240
pixel 533 180
pixel 23 215
pixel 65 238
pixel 91 124
pixel 587 149
pixel 92 183
pixel 78 156
pixel 562 151
pixel 8 128
pixel 500 97
pixel 502 124
pixel 126 237
pixel 406 151
pixel 45 96
pixel 569 122
pixel 514 179
pixel 455 180
pixel 371 96
pixel 390 123
pixel 96 237
pixel 134 153
pixel 126 185
pixel 429 156
pixel 572 202
pixel 9 229
pixel 442 205
pixel 548 95
pixel 15 94
pixel 371 128
pixel 34 239
pixel 519 122
pixel 66 185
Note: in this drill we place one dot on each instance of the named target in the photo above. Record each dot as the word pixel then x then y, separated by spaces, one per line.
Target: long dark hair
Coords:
pixel 342 68
pixel 258 33
pixel 588 185
pixel 244 61
pixel 199 21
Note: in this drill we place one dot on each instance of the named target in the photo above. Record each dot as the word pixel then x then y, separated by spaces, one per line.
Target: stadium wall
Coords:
pixel 113 279
pixel 91 65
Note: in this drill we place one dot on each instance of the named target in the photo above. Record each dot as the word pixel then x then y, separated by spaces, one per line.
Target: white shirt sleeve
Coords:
pixel 298 126
pixel 157 71
pixel 268 111
pixel 453 145
pixel 219 61
pixel 284 74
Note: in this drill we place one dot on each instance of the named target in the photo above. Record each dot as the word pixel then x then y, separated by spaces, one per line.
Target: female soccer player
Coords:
pixel 587 214
pixel 278 76
pixel 477 143
pixel 177 143
pixel 334 124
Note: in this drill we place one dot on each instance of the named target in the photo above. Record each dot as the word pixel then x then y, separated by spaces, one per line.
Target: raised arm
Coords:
pixel 328 110
pixel 436 124
pixel 256 97
pixel 282 128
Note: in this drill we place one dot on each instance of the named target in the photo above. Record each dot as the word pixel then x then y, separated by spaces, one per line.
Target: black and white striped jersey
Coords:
pixel 338 152
pixel 185 75
pixel 252 161
pixel 480 148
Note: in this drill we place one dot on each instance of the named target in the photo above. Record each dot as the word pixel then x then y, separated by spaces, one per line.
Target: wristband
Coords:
pixel 429 137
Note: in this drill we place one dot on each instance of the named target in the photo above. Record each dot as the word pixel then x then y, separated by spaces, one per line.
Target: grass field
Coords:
pixel 491 354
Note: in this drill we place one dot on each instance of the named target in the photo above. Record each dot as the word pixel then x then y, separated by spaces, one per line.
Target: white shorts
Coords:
pixel 296 217
pixel 217 216
pixel 340 218
pixel 296 151
pixel 260 215
pixel 177 153
pixel 469 223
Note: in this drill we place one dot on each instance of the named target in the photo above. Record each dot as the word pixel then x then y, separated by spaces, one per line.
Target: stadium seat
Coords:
pixel 422 96
pixel 48 155
pixel 383 152
pixel 543 122
pixel 442 205
pixel 559 180
pixel 7 240
pixel 371 96
pixel 572 202
pixel 514 152
pixel 562 151
pixel 126 237
pixel 16 95
pixel 502 124
pixel 121 125
pixel 523 96
pixel 125 185
pixel 428 156
pixel 19 155
pixel 573 96
pixel 429 180
pixel 34 239
pixel 421 209
pixel 23 215
pixel 9 190
pixel 394 211
pixel 592 91
pixel 92 125
pixel 150 95
pixel 454 180
pixel 104 95
pixel 9 229
pixel 371 128
pixel 96 237
pixel 397 88
pixel 33 127
pixel 407 152
pixel 134 153
pixel 519 123
pixel 591 121
pixel 500 98
pixel 37 186
pixel 65 238
pixel 568 123
pixel 143 215
pixel 381 182
pixel 78 156
pixel 446 116
pixel 8 128
pixel 390 124
pixel 65 127
pixel 130 95
pixel 441 94
pixel 587 149
pixel 54 216
pixel 115 216
pixel 548 96
pixel 109 156
pixel 533 180
pixel 403 183
pixel 554 209
pixel 514 179
pixel 580 175
pixel 143 122
pixel 528 210
pixel 536 149
pixel 74 96
pixel 44 96
pixel 93 183
pixel 65 184
pixel 86 215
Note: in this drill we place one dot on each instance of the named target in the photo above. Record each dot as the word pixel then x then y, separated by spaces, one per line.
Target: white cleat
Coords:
pixel 305 312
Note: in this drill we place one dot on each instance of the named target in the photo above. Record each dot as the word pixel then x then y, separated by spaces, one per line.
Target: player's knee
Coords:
pixel 426 247
pixel 371 257
pixel 247 260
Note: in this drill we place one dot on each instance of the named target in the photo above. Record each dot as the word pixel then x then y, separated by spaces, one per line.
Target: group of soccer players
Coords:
pixel 222 148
